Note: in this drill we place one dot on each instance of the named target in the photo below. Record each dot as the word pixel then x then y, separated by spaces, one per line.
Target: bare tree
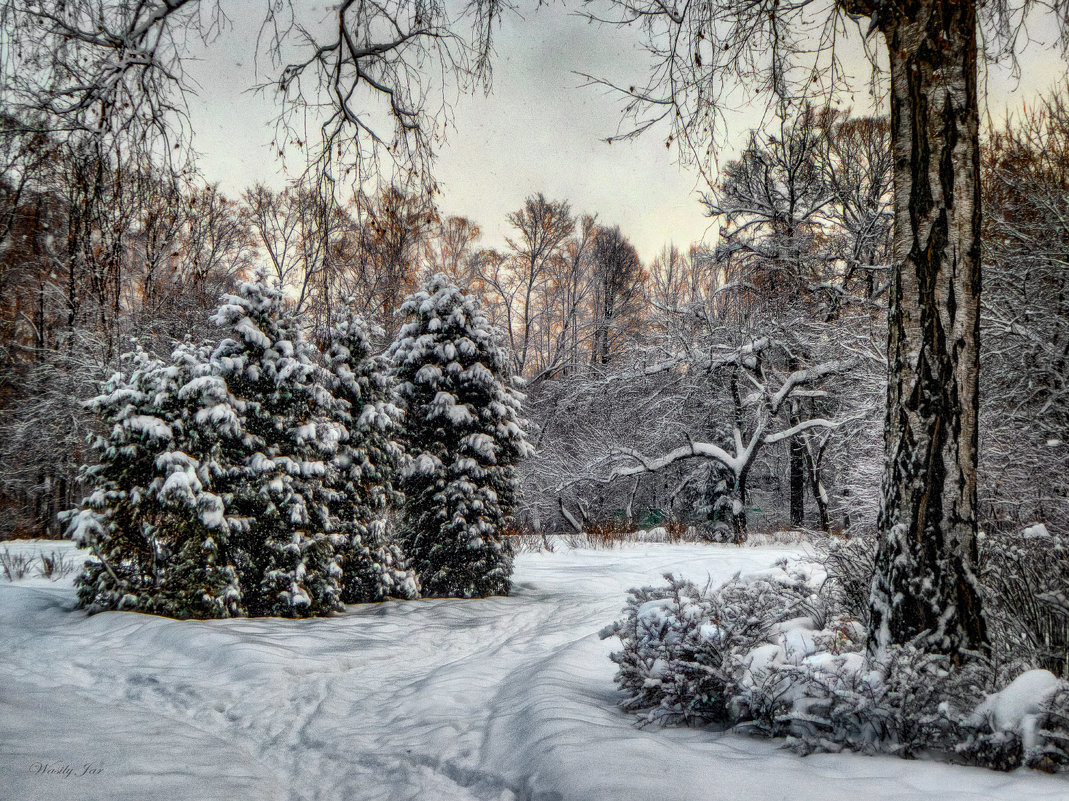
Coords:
pixel 97 254
pixel 450 249
pixel 571 285
pixel 114 69
pixel 1025 319
pixel 111 69
pixel 759 388
pixel 296 230
pixel 543 228
pixel 773 203
pixel 391 231
pixel 618 289
pixel 858 169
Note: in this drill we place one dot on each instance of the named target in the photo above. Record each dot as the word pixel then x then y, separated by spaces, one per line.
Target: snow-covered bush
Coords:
pixel 686 648
pixel 909 702
pixel 849 565
pixel 462 430
pixel 363 471
pixel 1027 722
pixel 778 654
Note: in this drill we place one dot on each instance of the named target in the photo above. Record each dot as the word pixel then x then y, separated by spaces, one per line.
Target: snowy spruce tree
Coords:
pixel 463 436
pixel 155 531
pixel 283 548
pixel 362 473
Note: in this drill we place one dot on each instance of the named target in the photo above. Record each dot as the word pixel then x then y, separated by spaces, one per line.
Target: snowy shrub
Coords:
pixel 1025 579
pixel 1046 729
pixel 694 655
pixel 909 702
pixel 16 566
pixel 363 469
pixel 54 566
pixel 779 654
pixel 849 565
pixel 462 430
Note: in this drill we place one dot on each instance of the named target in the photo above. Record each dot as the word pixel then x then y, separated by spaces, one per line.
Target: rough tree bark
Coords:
pixel 924 589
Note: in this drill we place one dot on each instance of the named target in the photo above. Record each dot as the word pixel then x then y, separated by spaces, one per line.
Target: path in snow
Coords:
pixel 505 698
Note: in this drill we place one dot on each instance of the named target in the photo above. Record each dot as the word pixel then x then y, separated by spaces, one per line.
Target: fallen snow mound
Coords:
pixel 1018 705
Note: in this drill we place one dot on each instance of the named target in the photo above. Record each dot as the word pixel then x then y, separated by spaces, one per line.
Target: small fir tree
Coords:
pixel 463 435
pixel 151 524
pixel 285 552
pixel 362 473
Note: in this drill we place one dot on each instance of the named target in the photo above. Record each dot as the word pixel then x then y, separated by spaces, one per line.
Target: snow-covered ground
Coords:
pixel 506 698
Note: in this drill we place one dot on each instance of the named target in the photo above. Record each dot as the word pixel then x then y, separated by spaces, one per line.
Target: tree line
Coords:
pixel 702 386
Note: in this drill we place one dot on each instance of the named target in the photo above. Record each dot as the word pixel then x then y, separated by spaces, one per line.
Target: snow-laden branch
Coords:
pixel 691 450
pixel 627 462
pixel 795 430
pixel 714 360
pixel 801 377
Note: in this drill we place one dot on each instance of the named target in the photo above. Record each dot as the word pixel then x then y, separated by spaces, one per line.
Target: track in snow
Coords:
pixel 502 698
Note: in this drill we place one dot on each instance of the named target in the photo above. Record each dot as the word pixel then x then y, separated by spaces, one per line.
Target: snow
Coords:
pixel 425 464
pixel 181 487
pixel 445 405
pixel 1017 705
pixel 1036 531
pixel 148 426
pixel 502 698
pixel 247 328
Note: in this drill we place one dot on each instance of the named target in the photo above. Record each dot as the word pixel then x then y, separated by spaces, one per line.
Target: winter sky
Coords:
pixel 540 130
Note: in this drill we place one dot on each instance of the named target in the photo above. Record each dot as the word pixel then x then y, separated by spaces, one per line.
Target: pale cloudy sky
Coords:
pixel 539 131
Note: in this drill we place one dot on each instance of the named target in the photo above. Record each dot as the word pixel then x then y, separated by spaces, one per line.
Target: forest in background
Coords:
pixel 732 387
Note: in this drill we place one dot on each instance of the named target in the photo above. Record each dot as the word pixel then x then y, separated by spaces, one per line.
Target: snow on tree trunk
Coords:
pixel 463 436
pixel 924 586
pixel 816 482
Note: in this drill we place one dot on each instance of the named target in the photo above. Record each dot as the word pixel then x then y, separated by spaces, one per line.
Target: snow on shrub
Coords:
pixel 462 430
pixel 778 654
pixel 695 655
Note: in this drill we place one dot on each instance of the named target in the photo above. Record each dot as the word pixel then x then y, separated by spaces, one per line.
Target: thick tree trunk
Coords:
pixel 924 590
